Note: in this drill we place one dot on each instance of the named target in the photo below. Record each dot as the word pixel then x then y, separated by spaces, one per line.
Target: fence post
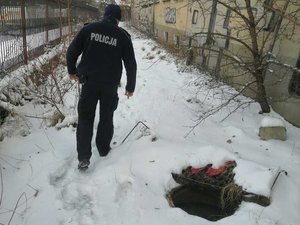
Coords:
pixel 25 53
pixel 47 21
pixel 60 20
pixel 1 19
pixel 69 17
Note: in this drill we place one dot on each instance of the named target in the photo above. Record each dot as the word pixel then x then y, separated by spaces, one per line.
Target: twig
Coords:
pixel 36 190
pixel 36 117
pixel 236 108
pixel 44 150
pixel 49 139
pixel 219 107
pixel 57 87
pixel 19 205
pixel 11 157
pixel 16 206
pixel 152 64
pixel 9 163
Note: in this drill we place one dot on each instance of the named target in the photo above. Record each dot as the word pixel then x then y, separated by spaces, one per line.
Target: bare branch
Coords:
pixel 16 206
pixel 216 109
pixel 230 37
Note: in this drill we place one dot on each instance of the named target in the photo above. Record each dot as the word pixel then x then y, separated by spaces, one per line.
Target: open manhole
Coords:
pixel 210 193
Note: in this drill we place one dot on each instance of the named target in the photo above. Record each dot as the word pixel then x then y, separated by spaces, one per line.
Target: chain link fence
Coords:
pixel 26 27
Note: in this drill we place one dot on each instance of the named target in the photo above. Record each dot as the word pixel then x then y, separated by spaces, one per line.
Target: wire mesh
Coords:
pixel 24 34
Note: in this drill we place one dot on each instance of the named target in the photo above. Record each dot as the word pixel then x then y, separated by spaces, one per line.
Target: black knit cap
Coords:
pixel 113 10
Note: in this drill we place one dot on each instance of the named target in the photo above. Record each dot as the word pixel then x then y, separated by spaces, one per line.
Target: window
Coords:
pixel 166 36
pixel 294 87
pixel 156 33
pixel 268 3
pixel 195 17
pixel 170 15
pixel 176 41
pixel 273 16
pixel 190 41
pixel 227 19
pixel 272 22
pixel 295 84
pixel 227 42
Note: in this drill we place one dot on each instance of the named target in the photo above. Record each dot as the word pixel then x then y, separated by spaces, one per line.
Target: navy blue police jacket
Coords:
pixel 103 46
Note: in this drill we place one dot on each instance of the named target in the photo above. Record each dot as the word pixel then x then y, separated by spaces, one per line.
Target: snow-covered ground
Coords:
pixel 40 183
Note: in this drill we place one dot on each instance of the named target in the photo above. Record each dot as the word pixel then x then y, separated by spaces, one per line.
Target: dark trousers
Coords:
pixel 91 94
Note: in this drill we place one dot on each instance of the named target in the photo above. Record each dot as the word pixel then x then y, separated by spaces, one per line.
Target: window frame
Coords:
pixel 176 40
pixel 195 16
pixel 275 17
pixel 227 19
pixel 294 86
pixel 166 36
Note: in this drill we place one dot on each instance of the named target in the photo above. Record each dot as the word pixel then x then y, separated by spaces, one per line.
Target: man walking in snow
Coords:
pixel 103 46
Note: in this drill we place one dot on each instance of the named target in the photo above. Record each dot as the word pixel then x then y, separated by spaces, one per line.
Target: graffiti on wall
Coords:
pixel 170 15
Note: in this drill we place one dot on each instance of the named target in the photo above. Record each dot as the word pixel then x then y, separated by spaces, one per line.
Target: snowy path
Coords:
pixel 129 185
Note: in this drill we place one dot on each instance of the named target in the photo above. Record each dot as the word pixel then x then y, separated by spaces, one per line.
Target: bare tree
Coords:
pixel 244 33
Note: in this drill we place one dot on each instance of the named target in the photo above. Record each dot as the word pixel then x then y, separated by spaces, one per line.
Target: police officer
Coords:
pixel 103 46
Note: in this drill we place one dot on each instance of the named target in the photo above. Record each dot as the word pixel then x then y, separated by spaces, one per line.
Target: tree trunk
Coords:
pixel 261 94
pixel 257 63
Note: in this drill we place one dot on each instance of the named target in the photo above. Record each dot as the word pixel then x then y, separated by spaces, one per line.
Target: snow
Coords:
pixel 271 122
pixel 129 185
pixel 14 76
pixel 249 173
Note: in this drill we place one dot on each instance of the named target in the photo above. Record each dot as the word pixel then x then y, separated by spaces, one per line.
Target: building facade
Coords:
pixel 220 38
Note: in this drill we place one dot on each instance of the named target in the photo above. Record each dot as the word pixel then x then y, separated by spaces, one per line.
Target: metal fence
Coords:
pixel 27 26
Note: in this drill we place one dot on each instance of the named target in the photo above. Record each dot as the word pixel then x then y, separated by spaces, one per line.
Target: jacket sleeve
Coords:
pixel 74 51
pixel 130 64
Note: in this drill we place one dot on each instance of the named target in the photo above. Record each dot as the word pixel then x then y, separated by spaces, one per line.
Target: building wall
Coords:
pixel 286 49
pixel 135 14
pixel 176 23
pixel 278 78
pixel 170 22
pixel 142 16
pixel 146 20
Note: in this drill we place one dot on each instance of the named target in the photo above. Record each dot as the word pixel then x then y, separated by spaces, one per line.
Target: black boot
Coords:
pixel 83 164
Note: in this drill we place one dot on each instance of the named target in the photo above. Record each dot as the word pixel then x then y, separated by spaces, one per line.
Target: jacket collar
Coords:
pixel 110 20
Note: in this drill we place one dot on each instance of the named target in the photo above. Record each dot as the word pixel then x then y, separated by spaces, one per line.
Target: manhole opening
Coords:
pixel 210 193
pixel 206 202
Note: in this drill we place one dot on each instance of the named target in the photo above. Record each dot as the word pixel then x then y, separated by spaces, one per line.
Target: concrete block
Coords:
pixel 267 133
pixel 272 128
